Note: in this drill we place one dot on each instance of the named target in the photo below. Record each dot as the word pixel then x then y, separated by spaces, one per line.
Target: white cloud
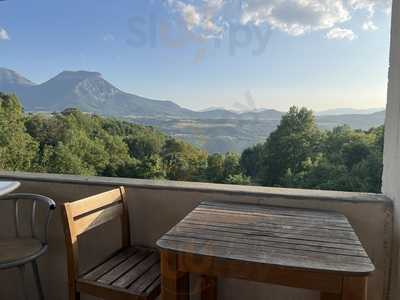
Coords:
pixel 189 14
pixel 371 6
pixel 213 6
pixel 296 17
pixel 201 17
pixel 210 18
pixel 369 26
pixel 338 33
pixel 3 34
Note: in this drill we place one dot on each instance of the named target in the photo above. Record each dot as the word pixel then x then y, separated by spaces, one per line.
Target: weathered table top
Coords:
pixel 8 186
pixel 277 236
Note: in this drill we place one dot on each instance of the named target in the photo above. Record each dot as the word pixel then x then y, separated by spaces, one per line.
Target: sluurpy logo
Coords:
pixel 181 26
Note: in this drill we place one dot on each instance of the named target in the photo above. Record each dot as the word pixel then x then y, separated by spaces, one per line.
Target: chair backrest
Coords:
pixel 32 199
pixel 85 214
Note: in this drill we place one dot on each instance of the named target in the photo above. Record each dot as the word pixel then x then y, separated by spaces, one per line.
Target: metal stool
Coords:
pixel 21 250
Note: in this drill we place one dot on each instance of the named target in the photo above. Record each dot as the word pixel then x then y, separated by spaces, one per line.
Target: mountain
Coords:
pixel 349 111
pixel 85 90
pixel 90 92
pixel 215 129
pixel 222 113
pixel 265 114
pixel 212 108
pixel 218 113
pixel 357 121
pixel 11 81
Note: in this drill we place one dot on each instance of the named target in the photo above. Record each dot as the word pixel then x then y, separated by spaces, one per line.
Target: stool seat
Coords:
pixel 18 249
pixel 27 246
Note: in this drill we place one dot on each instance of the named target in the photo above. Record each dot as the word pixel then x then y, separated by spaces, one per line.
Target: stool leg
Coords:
pixel 37 279
pixel 21 270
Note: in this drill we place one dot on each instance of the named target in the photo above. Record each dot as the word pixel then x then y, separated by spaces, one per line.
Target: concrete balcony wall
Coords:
pixel 155 206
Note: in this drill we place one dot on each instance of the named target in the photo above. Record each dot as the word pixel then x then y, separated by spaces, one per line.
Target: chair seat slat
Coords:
pixel 141 279
pixel 108 265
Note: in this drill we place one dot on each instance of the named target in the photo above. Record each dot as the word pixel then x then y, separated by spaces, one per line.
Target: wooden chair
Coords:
pixel 132 273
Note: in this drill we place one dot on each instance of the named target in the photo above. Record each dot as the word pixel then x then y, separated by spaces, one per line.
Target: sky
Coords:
pixel 241 54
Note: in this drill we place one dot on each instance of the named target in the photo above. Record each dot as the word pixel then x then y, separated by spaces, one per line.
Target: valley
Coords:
pixel 216 130
pixel 235 135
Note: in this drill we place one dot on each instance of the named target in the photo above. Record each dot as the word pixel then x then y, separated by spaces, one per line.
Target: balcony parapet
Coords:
pixel 156 205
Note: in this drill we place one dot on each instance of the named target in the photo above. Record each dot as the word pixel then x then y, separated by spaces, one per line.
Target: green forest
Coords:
pixel 297 154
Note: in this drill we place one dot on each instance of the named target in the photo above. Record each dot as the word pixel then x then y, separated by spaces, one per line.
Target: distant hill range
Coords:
pixel 215 129
pixel 12 81
pixel 356 121
pixel 349 111
pixel 89 92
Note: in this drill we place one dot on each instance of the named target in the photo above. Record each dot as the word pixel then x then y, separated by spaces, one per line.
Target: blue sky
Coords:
pixel 234 53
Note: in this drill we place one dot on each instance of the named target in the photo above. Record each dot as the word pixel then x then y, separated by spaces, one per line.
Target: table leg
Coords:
pixel 354 288
pixel 209 288
pixel 174 284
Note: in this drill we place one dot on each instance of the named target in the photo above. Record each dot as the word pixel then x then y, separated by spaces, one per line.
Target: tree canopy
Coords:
pixel 297 154
pixel 17 147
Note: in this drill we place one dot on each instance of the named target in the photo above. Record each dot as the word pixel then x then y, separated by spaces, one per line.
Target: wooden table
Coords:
pixel 7 187
pixel 309 249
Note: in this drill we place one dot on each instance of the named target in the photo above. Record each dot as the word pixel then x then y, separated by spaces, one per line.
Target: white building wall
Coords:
pixel 391 173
